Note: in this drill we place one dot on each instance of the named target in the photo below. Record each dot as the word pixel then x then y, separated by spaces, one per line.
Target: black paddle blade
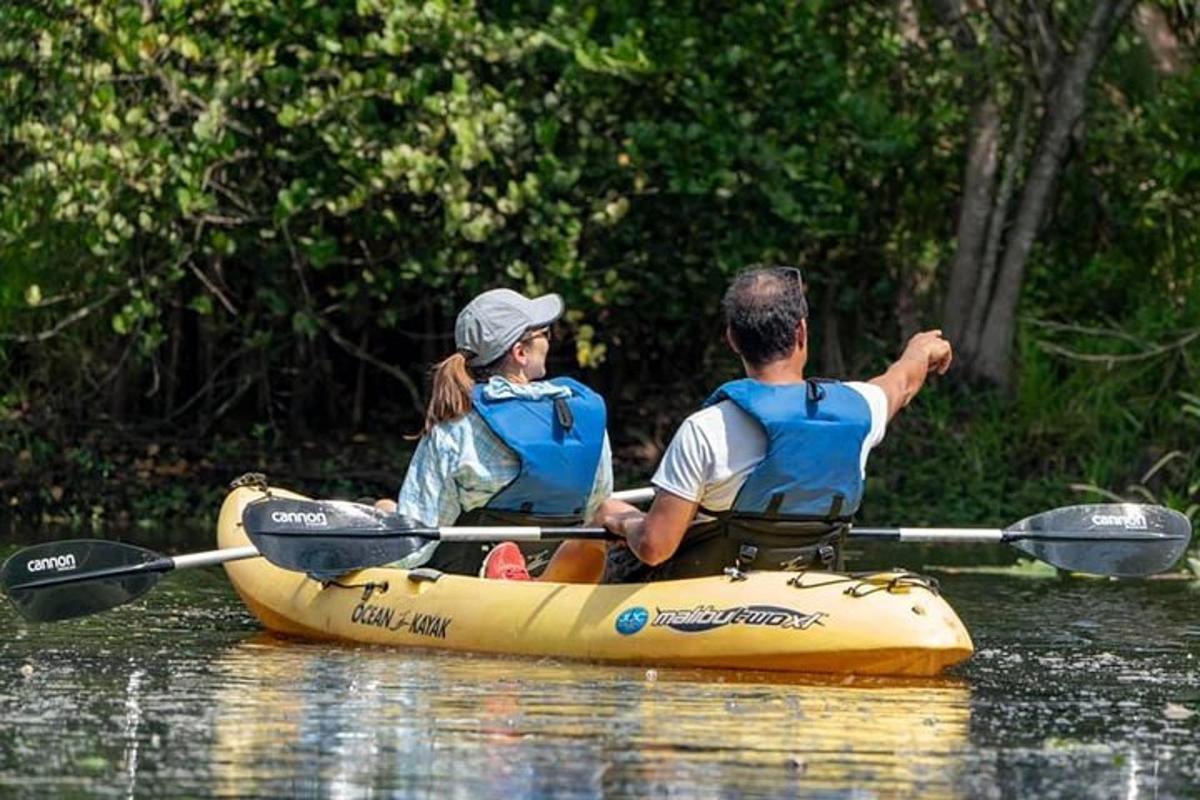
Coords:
pixel 328 537
pixel 74 578
pixel 1122 539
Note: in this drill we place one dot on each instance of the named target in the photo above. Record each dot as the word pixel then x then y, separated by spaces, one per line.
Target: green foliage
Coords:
pixel 284 168
pixel 224 215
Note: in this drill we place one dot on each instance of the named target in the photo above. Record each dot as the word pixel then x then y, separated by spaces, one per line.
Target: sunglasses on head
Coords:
pixel 791 273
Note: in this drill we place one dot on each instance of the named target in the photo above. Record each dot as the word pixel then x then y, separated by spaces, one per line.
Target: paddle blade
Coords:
pixel 74 578
pixel 327 537
pixel 1123 539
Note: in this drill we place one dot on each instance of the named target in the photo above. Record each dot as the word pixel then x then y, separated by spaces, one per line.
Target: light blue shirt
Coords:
pixel 461 464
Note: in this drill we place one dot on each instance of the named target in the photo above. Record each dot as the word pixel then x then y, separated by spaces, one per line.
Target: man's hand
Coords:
pixel 926 352
pixel 931 349
pixel 619 517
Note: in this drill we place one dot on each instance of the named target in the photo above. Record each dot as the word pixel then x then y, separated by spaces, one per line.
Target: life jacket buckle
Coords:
pixel 746 554
pixel 827 553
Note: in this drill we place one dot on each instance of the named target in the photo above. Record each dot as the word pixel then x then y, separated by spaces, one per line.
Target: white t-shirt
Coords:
pixel 716 449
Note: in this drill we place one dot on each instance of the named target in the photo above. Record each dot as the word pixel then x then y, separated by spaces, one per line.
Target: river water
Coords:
pixel 1079 688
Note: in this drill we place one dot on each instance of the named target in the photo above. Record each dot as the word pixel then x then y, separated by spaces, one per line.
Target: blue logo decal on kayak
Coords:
pixel 632 620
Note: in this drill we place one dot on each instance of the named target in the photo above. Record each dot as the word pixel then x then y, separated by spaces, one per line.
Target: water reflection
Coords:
pixel 1078 689
pixel 334 721
pixel 133 720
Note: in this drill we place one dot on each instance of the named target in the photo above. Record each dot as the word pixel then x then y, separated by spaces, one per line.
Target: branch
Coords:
pixel 1085 330
pixel 75 316
pixel 356 351
pixel 214 289
pixel 1112 359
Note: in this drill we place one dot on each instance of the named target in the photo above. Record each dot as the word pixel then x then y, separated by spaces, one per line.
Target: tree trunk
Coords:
pixel 979 177
pixel 1064 109
pixel 978 184
pixel 995 232
pixel 833 360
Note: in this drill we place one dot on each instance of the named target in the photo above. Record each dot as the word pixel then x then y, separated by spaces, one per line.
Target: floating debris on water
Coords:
pixel 1177 711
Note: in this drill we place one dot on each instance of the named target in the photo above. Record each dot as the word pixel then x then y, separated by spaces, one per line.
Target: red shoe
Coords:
pixel 505 562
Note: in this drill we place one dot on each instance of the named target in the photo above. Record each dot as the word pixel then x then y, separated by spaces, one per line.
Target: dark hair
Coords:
pixel 454 382
pixel 763 307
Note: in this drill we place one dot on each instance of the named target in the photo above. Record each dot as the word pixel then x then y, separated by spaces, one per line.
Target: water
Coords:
pixel 1079 689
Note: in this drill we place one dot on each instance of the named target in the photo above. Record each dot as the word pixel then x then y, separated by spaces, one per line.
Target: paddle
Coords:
pixel 62 580
pixel 77 577
pixel 331 537
pixel 1119 539
pixel 1126 540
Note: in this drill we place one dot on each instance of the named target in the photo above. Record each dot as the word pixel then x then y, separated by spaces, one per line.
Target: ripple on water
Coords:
pixel 1068 695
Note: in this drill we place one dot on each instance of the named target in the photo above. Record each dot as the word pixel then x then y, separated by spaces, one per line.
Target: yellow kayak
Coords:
pixel 880 624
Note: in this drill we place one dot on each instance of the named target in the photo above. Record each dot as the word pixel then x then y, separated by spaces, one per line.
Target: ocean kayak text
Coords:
pixel 392 619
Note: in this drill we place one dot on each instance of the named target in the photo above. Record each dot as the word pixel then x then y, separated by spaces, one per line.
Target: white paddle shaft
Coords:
pixel 956 535
pixel 516 533
pixel 211 557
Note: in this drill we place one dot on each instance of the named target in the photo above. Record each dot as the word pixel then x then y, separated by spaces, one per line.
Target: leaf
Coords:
pixel 202 304
pixel 187 47
pixel 305 324
pixel 320 251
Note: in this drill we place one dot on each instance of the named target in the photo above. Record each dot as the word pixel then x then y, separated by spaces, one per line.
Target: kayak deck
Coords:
pixel 881 624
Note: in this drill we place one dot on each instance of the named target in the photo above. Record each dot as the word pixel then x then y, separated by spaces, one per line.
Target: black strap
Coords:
pixel 835 508
pixel 563 412
pixel 773 507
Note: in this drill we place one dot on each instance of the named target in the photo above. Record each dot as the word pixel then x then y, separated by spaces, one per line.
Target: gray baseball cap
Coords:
pixel 495 320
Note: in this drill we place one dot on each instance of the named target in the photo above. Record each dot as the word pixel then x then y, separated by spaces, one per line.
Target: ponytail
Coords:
pixel 451 394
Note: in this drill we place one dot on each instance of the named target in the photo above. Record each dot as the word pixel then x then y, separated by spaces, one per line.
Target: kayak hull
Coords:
pixel 885 624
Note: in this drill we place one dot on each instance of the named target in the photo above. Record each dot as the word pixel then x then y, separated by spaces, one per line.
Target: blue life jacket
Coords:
pixel 558 442
pixel 815 433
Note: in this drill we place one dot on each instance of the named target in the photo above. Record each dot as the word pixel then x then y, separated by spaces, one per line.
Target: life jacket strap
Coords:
pixel 562 411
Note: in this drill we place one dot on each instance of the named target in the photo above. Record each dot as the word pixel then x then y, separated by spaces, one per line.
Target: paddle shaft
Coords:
pixel 493 533
pixel 955 535
pixel 942 535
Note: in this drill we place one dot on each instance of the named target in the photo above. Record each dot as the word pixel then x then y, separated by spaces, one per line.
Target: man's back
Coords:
pixel 718 447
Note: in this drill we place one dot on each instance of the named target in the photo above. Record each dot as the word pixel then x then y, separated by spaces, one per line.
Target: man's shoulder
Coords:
pixel 720 412
pixel 875 397
pixel 714 426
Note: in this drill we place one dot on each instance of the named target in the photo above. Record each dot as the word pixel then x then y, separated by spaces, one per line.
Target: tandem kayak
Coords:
pixel 888 623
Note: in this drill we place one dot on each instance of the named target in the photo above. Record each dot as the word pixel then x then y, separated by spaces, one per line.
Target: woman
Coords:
pixel 501 445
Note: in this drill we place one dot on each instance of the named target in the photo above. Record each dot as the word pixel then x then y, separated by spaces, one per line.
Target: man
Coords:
pixel 773 465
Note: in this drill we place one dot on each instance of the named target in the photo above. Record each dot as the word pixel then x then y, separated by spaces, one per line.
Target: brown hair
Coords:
pixel 450 396
pixel 453 382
